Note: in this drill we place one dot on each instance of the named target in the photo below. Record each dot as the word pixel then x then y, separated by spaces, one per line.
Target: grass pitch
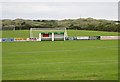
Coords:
pixel 25 33
pixel 61 60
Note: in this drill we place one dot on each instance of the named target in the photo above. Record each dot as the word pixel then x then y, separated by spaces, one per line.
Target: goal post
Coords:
pixel 48 33
pixel 34 32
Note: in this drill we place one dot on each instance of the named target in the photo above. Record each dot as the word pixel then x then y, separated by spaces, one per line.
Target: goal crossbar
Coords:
pixel 34 32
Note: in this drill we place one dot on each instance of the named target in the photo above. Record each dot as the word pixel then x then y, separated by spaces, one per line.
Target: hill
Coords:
pixel 79 24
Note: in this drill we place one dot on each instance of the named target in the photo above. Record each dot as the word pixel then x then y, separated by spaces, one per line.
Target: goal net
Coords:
pixel 34 32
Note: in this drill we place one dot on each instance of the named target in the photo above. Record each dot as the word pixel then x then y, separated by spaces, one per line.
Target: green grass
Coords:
pixel 90 33
pixel 72 60
pixel 0 61
pixel 60 60
pixel 25 33
pixel 15 34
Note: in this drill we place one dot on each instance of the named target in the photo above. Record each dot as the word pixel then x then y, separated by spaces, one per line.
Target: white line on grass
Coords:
pixel 91 63
pixel 73 50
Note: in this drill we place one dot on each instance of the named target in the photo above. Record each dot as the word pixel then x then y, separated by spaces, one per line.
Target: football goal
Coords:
pixel 45 34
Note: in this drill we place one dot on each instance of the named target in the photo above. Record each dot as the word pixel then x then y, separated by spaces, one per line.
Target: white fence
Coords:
pixel 68 38
pixel 109 37
pixel 83 38
pixel 0 39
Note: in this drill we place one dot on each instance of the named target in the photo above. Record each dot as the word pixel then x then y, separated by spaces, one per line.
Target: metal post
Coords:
pixel 39 36
pixel 52 36
pixel 64 36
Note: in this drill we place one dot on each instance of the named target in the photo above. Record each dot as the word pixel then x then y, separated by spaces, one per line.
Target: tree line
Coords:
pixel 76 24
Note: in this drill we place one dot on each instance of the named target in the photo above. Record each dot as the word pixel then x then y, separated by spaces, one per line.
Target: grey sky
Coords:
pixel 59 0
pixel 59 10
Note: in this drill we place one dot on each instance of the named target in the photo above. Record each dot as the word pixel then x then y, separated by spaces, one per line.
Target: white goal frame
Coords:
pixel 48 30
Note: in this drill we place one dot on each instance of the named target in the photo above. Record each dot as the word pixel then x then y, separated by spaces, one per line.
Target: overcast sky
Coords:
pixel 60 10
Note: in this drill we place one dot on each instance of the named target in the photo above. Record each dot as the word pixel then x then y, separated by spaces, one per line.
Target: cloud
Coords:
pixel 60 10
pixel 59 0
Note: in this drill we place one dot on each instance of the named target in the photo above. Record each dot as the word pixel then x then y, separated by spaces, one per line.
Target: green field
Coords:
pixel 25 33
pixel 60 60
